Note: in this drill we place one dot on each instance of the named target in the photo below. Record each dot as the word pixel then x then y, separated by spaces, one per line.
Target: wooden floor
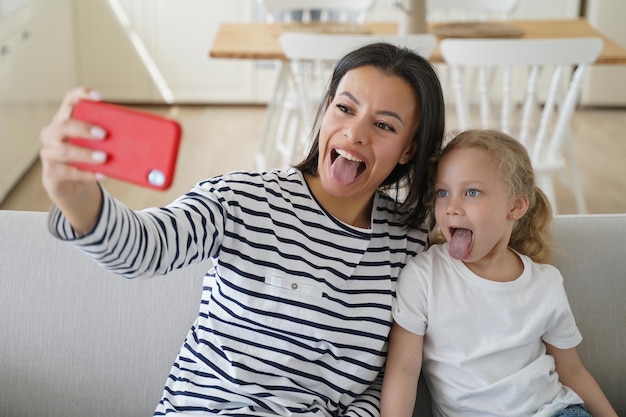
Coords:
pixel 218 139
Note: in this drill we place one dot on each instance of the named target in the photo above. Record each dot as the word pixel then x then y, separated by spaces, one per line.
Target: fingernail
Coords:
pixel 97 132
pixel 100 177
pixel 95 95
pixel 98 156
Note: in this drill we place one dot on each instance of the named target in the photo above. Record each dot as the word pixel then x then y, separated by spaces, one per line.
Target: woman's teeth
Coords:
pixel 347 155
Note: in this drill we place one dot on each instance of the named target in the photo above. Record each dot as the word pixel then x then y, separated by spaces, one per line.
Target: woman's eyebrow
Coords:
pixel 391 114
pixel 385 112
pixel 350 96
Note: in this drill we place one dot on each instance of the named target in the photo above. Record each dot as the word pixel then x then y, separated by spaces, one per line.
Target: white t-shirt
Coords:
pixel 483 347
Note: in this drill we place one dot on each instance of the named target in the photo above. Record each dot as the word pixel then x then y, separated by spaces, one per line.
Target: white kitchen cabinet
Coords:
pixel 177 36
pixel 106 58
pixel 8 7
pixel 552 9
pixel 36 67
pixel 382 10
pixel 15 149
pixel 605 85
pixel 183 35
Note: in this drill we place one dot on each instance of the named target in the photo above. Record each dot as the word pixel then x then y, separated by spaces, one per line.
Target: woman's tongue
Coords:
pixel 460 243
pixel 344 170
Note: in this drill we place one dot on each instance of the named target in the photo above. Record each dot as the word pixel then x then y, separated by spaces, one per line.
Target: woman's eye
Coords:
pixel 385 126
pixel 473 193
pixel 343 108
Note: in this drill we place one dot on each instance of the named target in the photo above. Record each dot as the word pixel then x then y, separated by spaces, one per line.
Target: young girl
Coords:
pixel 296 310
pixel 482 313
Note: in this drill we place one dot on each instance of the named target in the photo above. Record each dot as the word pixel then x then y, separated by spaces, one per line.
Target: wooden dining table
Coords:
pixel 258 40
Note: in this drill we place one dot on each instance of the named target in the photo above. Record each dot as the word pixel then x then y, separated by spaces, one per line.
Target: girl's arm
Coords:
pixel 402 371
pixel 573 373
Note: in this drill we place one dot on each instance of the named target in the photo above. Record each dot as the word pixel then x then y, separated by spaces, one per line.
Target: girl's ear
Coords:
pixel 520 207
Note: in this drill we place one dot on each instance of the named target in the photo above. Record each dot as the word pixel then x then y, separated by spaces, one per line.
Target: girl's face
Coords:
pixel 473 207
pixel 366 131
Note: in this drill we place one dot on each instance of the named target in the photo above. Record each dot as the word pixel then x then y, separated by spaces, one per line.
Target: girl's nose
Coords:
pixel 454 207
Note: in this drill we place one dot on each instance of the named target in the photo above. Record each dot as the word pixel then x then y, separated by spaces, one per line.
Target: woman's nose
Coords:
pixel 356 131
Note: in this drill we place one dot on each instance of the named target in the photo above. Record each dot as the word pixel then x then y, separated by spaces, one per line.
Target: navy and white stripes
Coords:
pixel 296 309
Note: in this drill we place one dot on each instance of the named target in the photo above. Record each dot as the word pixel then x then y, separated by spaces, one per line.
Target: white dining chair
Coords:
pixel 307 53
pixel 455 13
pixel 282 106
pixel 552 71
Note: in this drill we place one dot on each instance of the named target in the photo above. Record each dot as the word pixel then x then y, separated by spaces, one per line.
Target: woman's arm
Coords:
pixel 573 373
pixel 75 192
pixel 402 371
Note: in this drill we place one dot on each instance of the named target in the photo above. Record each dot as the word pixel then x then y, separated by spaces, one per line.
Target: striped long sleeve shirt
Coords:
pixel 295 310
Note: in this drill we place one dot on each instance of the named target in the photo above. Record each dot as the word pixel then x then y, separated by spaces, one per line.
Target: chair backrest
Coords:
pixel 542 121
pixel 442 10
pixel 283 123
pixel 321 10
pixel 301 46
pixel 311 53
pixel 312 57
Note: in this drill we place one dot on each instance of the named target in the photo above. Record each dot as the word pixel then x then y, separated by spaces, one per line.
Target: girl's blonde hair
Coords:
pixel 531 234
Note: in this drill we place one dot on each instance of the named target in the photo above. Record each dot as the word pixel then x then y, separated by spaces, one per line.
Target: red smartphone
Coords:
pixel 141 147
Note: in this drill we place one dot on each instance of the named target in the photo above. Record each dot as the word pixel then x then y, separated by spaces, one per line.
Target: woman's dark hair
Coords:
pixel 409 179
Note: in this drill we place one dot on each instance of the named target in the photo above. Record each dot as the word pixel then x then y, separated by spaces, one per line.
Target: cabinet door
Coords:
pixel 553 9
pixel 183 33
pixel 107 58
pixel 20 107
pixel 125 51
pixel 604 84
pixel 382 10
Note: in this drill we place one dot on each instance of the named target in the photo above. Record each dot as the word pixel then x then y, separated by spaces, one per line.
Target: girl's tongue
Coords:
pixel 346 170
pixel 460 243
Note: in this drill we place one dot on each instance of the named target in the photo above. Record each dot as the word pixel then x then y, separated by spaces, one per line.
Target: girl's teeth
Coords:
pixel 347 156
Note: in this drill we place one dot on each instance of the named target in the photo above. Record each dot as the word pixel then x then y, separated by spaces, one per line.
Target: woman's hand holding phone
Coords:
pixel 140 147
pixel 88 139
pixel 74 191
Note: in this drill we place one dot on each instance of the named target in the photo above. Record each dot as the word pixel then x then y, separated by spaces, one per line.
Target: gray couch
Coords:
pixel 78 341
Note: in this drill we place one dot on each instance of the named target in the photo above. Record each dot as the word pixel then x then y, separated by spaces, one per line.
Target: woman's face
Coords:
pixel 366 131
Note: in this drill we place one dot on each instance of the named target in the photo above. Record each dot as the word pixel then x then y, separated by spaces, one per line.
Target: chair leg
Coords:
pixel 272 119
pixel 576 184
pixel 545 183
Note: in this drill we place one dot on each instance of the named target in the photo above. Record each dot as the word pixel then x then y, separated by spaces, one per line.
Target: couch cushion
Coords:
pixel 76 340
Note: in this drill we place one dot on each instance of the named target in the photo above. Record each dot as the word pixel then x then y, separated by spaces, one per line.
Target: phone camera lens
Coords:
pixel 156 177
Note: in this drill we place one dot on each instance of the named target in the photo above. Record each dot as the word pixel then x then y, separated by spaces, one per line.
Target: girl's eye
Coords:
pixel 473 193
pixel 441 193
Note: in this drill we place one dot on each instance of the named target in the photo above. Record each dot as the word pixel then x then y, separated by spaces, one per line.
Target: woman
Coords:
pixel 296 310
